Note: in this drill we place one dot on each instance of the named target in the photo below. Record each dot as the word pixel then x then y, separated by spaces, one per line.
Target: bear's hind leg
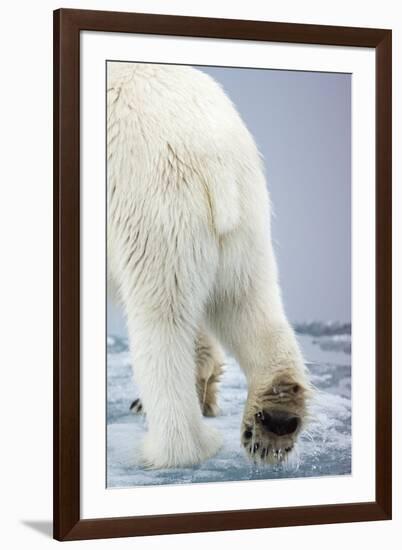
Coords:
pixel 254 328
pixel 165 279
pixel 209 360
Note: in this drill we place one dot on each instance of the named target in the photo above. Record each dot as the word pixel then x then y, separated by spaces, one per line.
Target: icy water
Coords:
pixel 325 450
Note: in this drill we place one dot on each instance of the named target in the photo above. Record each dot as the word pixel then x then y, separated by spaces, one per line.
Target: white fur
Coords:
pixel 188 244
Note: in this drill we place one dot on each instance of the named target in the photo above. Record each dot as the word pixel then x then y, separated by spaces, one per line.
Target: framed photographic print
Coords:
pixel 222 274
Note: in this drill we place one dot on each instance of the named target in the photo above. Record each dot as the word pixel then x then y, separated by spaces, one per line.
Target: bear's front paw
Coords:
pixel 136 407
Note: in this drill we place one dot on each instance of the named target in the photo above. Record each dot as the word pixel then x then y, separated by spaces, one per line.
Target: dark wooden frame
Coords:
pixel 67 26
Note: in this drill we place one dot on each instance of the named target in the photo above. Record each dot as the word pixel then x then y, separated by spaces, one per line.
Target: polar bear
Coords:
pixel 189 249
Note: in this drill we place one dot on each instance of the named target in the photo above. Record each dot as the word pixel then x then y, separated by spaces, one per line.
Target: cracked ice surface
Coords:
pixel 325 450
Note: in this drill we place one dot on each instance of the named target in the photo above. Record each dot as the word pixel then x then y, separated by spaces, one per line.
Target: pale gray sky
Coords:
pixel 301 122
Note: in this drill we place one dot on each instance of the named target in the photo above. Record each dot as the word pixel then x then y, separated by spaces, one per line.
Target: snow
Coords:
pixel 324 448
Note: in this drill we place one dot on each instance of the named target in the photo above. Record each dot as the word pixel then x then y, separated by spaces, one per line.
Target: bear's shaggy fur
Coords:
pixel 189 249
